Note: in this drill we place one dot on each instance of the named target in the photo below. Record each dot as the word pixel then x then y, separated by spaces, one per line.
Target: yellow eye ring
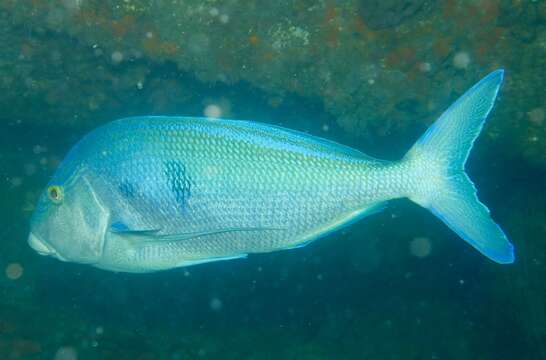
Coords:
pixel 55 194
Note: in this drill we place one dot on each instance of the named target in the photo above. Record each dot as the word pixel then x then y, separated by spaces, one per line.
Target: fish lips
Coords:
pixel 42 248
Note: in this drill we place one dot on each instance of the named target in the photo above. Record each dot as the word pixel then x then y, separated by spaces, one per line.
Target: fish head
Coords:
pixel 70 220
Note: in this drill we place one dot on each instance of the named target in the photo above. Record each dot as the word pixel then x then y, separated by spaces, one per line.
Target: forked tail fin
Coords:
pixel 438 160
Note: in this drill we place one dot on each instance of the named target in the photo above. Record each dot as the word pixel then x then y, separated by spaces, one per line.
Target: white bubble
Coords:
pixel 16 181
pixel 215 304
pixel 325 128
pixel 149 35
pixel 117 57
pixel 420 247
pixel 536 116
pixel 425 67
pixel 140 85
pixel 213 111
pixel 14 271
pixel 72 5
pixel 66 353
pixel 461 60
pixel 224 18
pixel 38 149
pixel 30 169
pixel 198 43
pixel 214 11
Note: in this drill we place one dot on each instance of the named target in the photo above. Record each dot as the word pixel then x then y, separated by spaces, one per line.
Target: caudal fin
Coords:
pixel 438 160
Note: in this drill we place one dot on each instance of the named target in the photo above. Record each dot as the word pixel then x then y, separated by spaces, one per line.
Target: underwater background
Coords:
pixel 369 74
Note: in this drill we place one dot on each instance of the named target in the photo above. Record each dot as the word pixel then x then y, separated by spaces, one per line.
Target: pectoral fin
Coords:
pixel 122 228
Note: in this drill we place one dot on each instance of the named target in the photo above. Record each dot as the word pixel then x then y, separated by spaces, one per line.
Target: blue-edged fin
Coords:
pixel 122 228
pixel 212 259
pixel 438 159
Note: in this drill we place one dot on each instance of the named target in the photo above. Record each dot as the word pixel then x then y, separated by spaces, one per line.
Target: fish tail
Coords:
pixel 440 183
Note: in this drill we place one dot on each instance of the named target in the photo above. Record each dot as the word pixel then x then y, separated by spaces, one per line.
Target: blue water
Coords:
pixel 397 285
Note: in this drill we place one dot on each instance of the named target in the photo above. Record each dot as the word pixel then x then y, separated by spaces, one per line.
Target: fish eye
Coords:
pixel 55 194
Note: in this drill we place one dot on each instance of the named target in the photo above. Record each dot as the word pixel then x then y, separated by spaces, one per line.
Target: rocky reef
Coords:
pixel 378 67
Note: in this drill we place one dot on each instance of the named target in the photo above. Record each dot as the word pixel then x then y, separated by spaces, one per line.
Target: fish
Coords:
pixel 153 193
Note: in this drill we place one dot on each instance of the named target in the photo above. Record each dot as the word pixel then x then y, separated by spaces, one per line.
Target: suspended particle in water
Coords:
pixel 16 181
pixel 38 149
pixel 14 271
pixel 461 60
pixel 325 128
pixel 213 111
pixel 425 67
pixel 536 116
pixel 117 57
pixel 215 304
pixel 224 18
pixel 420 247
pixel 72 5
pixel 214 11
pixel 66 353
pixel 30 169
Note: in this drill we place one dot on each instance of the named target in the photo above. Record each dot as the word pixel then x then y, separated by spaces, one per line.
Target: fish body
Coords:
pixel 152 193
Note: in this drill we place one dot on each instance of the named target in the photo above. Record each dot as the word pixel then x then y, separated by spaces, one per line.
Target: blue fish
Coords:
pixel 153 193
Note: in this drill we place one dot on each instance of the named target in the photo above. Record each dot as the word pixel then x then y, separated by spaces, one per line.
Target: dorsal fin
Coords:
pixel 301 138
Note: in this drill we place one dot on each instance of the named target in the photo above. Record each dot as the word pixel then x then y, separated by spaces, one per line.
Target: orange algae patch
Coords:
pixel 329 25
pixel 450 8
pixel 442 47
pixel 155 47
pixel 27 50
pixel 254 39
pixel 38 3
pixel 487 42
pixel 268 56
pixel 362 29
pixel 123 26
pixel 90 16
pixel 490 10
pixel 401 57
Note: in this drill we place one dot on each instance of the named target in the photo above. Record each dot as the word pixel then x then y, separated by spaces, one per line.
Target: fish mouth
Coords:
pixel 39 246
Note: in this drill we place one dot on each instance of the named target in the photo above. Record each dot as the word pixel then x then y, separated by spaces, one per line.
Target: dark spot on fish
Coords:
pixel 127 189
pixel 179 182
